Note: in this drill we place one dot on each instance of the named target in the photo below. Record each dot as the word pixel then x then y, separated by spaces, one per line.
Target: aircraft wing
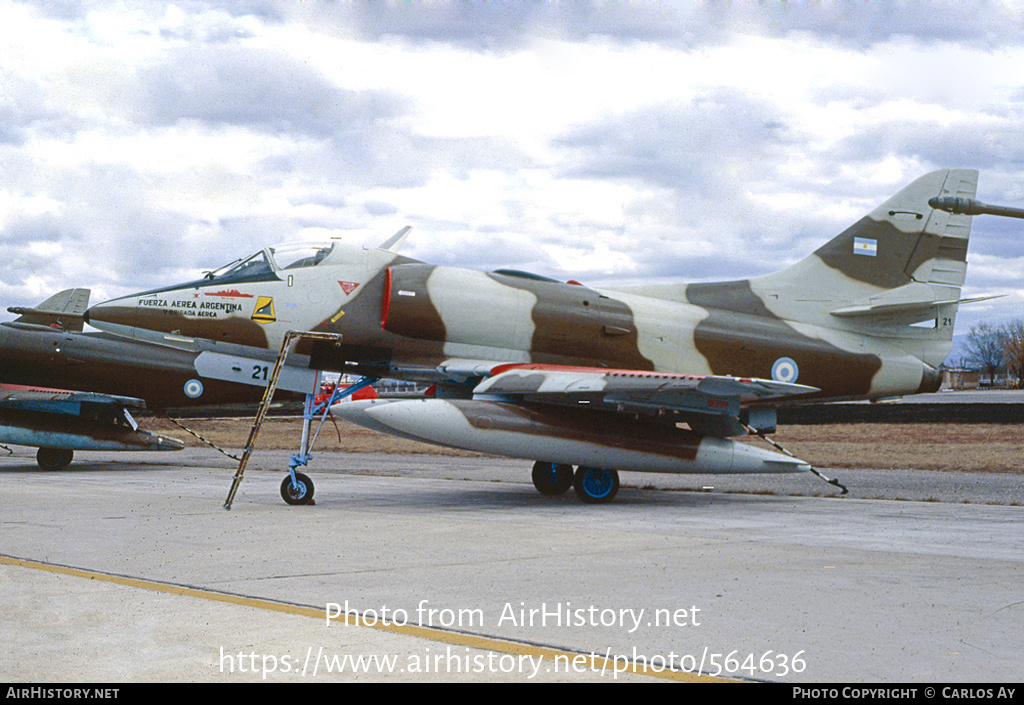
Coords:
pixel 60 401
pixel 712 402
pixel 60 421
pixel 593 418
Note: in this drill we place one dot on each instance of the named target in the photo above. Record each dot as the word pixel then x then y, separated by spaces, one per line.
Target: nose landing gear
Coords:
pixel 298 492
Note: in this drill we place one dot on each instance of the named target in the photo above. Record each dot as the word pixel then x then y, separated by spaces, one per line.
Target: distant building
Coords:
pixel 956 378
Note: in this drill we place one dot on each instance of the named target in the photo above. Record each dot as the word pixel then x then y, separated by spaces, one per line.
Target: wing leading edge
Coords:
pixel 717 405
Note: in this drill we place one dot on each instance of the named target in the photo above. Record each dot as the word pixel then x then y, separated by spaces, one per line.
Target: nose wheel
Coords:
pixel 296 488
pixel 298 492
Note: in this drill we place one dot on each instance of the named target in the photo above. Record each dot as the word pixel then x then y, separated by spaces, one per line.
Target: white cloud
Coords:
pixel 590 140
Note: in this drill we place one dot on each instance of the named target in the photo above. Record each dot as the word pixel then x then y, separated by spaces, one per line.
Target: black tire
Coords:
pixel 552 479
pixel 299 493
pixel 596 485
pixel 54 458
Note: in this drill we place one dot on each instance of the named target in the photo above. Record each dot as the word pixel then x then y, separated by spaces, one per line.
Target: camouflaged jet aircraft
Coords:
pixel 645 378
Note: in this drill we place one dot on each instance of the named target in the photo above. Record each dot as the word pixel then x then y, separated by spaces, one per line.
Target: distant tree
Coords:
pixel 1012 340
pixel 985 349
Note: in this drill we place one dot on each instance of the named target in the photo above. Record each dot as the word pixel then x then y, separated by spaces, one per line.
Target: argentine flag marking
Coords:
pixel 865 246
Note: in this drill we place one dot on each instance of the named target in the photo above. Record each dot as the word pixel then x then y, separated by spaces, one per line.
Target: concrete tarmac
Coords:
pixel 126 568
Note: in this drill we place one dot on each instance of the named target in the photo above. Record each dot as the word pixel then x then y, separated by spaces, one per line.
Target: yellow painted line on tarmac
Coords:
pixel 593 663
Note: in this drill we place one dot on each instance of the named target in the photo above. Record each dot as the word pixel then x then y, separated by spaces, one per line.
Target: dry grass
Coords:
pixel 950 447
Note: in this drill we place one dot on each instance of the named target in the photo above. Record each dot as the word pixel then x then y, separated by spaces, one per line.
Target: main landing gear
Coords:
pixel 54 458
pixel 592 485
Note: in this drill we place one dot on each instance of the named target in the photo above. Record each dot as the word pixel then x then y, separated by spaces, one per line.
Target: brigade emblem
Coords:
pixel 264 311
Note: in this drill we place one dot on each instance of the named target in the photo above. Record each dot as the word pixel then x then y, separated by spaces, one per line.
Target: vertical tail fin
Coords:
pixel 895 274
pixel 65 310
pixel 894 268
pixel 906 242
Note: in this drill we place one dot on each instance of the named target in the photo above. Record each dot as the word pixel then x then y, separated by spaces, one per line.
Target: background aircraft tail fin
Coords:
pixel 65 310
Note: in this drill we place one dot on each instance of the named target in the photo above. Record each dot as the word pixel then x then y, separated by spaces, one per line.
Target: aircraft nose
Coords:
pixel 113 315
pixel 150 315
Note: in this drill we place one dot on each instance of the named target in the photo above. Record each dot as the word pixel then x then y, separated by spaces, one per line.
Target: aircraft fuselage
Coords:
pixel 407 319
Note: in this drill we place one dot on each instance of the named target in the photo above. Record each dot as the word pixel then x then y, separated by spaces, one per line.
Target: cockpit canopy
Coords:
pixel 265 264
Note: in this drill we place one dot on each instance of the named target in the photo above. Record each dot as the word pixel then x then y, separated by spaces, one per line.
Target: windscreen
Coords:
pixel 253 268
pixel 296 256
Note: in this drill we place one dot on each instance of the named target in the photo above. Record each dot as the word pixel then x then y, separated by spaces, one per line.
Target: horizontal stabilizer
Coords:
pixel 893 302
pixel 915 296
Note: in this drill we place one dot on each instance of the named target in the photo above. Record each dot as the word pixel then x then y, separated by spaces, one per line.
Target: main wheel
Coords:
pixel 54 458
pixel 552 479
pixel 299 493
pixel 596 485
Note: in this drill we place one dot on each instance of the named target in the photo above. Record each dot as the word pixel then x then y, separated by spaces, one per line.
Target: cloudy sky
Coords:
pixel 609 142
